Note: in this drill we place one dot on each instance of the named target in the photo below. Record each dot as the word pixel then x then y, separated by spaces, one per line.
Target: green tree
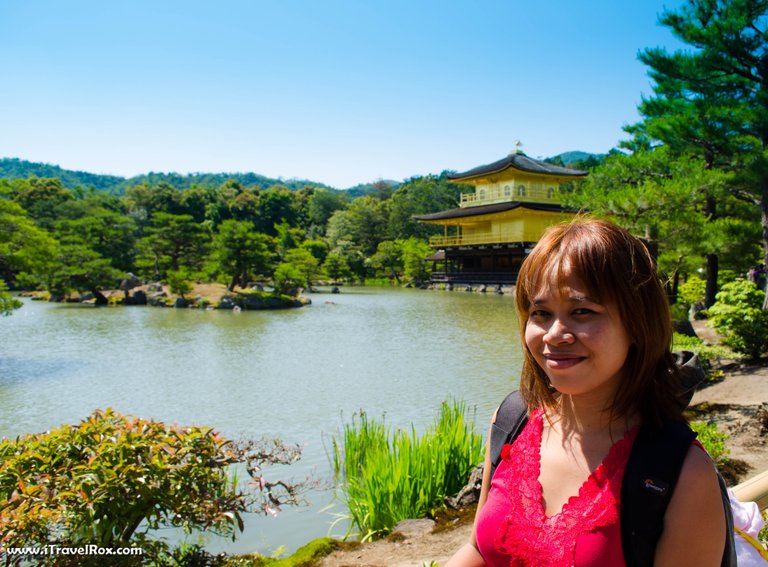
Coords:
pixel 199 202
pixel 322 204
pixel 171 242
pixel 661 196
pixel 78 268
pixel 40 198
pixel 144 201
pixel 287 238
pixel 26 251
pixel 414 251
pixel 317 247
pixel 299 269
pixel 110 234
pixel 363 223
pixel 245 206
pixel 7 303
pixel 277 204
pixel 419 196
pixel 388 260
pixel 179 282
pixel 240 252
pixel 712 100
pixel 336 267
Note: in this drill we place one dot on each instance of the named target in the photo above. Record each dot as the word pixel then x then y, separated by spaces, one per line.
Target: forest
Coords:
pixel 84 239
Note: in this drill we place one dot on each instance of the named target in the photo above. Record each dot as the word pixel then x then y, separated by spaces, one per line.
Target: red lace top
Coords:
pixel 513 528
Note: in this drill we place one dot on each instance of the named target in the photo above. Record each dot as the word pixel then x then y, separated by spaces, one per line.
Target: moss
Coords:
pixel 447 519
pixel 306 556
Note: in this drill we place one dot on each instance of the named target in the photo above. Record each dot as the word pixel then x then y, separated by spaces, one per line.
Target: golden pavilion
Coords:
pixel 485 240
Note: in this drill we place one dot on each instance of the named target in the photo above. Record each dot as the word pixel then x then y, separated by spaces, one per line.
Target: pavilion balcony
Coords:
pixel 533 193
pixel 474 239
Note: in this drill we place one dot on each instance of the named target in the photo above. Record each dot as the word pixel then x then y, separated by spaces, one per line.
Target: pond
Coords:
pixel 297 374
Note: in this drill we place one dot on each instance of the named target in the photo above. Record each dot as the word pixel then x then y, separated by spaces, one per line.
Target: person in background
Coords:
pixel 596 333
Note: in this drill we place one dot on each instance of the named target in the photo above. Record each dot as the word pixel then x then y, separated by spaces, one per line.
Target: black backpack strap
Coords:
pixel 729 554
pixel 511 417
pixel 649 480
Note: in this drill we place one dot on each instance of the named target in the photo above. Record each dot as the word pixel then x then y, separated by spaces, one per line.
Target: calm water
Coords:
pixel 296 374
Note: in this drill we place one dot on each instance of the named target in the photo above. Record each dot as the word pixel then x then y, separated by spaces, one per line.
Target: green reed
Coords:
pixel 386 477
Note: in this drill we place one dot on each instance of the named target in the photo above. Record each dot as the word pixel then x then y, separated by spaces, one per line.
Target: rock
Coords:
pixel 414 528
pixel 139 297
pixel 470 494
pixel 156 298
pixel 180 303
pixel 226 302
pixel 129 283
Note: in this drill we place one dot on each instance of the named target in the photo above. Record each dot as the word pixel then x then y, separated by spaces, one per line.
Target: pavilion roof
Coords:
pixel 488 209
pixel 520 162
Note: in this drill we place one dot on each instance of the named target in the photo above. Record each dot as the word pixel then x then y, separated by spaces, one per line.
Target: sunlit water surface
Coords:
pixel 297 374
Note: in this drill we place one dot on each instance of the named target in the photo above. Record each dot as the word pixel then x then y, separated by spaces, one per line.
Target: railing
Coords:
pixel 490 195
pixel 754 489
pixel 438 241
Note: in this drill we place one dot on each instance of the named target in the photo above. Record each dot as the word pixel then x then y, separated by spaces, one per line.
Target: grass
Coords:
pixel 385 477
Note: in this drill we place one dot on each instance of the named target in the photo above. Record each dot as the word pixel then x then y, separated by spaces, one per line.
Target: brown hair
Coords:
pixel 617 269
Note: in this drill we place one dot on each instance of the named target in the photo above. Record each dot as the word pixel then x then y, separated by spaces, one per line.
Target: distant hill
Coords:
pixel 574 157
pixel 182 182
pixel 14 168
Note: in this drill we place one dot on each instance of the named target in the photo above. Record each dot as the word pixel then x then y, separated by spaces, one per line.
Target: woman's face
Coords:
pixel 579 343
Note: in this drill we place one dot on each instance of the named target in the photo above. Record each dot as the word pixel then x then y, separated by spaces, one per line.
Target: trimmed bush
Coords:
pixel 738 316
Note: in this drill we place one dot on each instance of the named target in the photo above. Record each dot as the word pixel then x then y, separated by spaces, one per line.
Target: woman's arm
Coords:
pixel 468 555
pixel 694 524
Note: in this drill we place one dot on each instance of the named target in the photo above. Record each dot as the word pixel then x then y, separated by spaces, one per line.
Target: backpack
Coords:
pixel 649 480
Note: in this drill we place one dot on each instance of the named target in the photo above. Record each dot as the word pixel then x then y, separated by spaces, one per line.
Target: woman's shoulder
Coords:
pixel 695 513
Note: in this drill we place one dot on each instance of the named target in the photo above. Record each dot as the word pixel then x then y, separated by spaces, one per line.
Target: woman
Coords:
pixel 597 332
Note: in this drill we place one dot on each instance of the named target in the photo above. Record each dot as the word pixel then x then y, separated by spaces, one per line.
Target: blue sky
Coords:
pixel 340 92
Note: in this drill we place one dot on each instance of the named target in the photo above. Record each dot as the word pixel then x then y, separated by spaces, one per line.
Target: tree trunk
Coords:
pixel 711 289
pixel 712 261
pixel 764 222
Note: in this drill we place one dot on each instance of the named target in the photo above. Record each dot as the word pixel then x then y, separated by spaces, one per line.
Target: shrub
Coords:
pixel 739 317
pixel 692 291
pixel 111 479
pixel 385 478
pixel 707 353
pixel 7 302
pixel 179 282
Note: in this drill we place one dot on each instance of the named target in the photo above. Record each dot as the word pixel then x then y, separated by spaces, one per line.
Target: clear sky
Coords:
pixel 335 91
